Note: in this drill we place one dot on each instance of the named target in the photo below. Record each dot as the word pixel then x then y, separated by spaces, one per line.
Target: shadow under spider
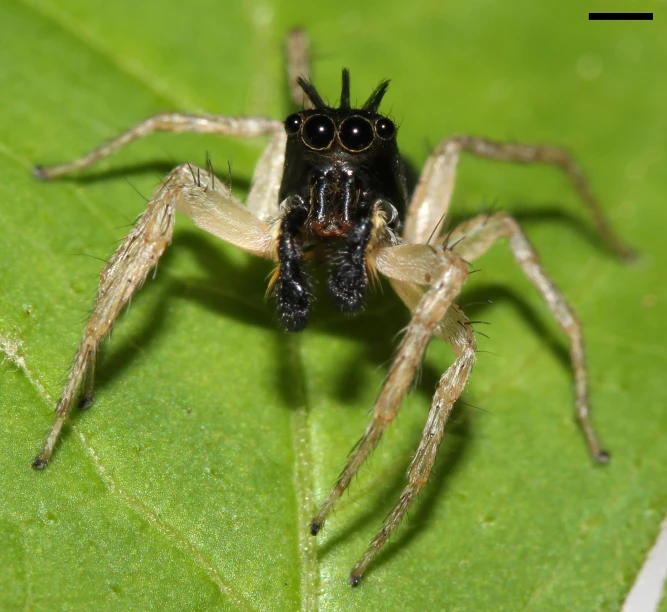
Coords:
pixel 376 331
pixel 233 277
pixel 378 348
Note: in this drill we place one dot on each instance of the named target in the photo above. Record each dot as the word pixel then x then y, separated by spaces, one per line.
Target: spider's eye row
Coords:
pixel 356 134
pixel 319 132
pixel 385 128
pixel 293 124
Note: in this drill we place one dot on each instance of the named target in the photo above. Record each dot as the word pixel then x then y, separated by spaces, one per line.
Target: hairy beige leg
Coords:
pixel 263 196
pixel 456 330
pixel 473 238
pixel 297 48
pixel 244 127
pixel 88 393
pixel 448 273
pixel 210 204
pixel 433 195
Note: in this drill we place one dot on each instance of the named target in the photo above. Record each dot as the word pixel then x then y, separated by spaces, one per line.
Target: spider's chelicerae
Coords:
pixel 331 186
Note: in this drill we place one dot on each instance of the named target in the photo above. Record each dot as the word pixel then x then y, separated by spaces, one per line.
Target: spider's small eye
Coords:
pixel 385 128
pixel 293 124
pixel 318 132
pixel 356 134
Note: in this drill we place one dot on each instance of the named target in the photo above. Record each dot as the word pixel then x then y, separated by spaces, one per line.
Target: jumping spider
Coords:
pixel 331 185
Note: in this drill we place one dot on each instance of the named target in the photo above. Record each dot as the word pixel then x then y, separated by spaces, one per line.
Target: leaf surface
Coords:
pixel 214 435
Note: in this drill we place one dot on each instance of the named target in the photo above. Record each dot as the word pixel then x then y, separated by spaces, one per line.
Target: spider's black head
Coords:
pixel 340 161
pixel 343 178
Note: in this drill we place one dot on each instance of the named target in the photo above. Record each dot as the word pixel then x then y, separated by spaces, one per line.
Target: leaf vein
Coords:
pixel 303 483
pixel 165 529
pixel 133 69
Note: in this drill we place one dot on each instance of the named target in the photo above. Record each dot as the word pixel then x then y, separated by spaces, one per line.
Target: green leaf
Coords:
pixel 214 435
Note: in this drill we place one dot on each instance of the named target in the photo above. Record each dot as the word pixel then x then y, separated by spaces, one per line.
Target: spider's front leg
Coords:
pixel 210 204
pixel 410 267
pixel 243 127
pixel 263 196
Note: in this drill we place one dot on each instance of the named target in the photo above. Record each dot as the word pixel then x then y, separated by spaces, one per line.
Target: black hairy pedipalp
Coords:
pixel 349 279
pixel 292 291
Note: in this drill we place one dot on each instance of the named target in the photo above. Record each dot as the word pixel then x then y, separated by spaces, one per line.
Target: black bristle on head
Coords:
pixel 345 90
pixel 311 92
pixel 373 103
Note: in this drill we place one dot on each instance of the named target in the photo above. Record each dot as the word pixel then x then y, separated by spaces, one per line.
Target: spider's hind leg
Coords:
pixel 456 330
pixel 473 238
pixel 297 51
pixel 433 195
pixel 411 268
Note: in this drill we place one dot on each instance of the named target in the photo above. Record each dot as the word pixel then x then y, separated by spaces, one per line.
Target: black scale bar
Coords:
pixel 620 16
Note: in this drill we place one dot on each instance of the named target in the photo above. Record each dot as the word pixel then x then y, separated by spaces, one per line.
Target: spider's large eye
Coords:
pixel 293 124
pixel 356 134
pixel 318 132
pixel 385 128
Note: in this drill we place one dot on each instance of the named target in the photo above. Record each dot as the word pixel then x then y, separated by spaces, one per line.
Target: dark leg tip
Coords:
pixel 39 463
pixel 85 402
pixel 315 528
pixel 354 580
pixel 627 254
pixel 602 457
pixel 40 173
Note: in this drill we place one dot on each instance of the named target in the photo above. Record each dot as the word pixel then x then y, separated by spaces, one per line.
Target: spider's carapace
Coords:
pixel 343 187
